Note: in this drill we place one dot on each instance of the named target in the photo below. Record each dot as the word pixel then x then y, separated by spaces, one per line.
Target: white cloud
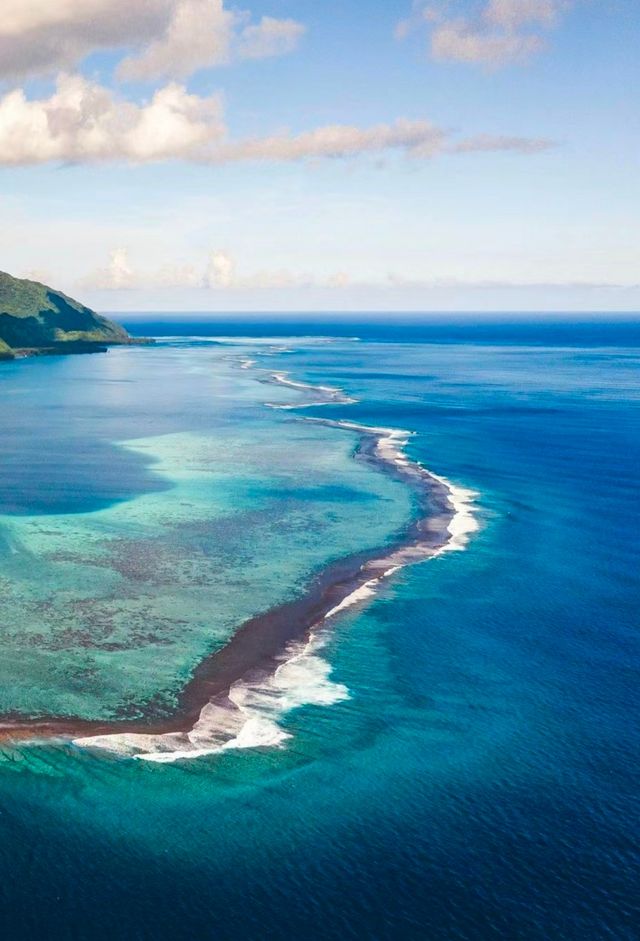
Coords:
pixel 41 36
pixel 514 14
pixel 83 121
pixel 268 38
pixel 491 143
pixel 202 34
pixel 199 34
pixel 461 41
pixel 220 282
pixel 418 137
pixel 173 275
pixel 219 273
pixel 173 38
pixel 492 33
pixel 117 274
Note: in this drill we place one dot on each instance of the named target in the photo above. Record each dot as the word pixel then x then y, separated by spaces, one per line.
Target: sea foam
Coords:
pixel 327 395
pixel 250 715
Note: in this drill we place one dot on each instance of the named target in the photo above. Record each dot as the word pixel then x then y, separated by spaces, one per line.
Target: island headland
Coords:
pixel 37 320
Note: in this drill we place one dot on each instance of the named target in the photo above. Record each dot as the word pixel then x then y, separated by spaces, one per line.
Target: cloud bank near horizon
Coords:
pixel 221 273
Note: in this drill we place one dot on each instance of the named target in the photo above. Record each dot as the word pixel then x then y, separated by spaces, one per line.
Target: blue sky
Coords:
pixel 456 155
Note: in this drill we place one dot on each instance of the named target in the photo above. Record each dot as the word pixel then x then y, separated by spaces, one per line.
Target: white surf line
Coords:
pixel 390 448
pixel 331 394
pixel 390 444
pixel 249 717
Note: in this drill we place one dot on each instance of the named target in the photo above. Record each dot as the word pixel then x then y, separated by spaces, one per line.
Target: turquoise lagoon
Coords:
pixel 109 605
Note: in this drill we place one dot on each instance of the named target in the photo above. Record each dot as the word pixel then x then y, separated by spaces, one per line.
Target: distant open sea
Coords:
pixel 453 754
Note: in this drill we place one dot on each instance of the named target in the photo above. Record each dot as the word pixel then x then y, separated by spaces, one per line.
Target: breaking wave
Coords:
pixel 247 713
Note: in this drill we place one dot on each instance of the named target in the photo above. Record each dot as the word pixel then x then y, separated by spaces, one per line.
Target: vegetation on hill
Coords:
pixel 36 318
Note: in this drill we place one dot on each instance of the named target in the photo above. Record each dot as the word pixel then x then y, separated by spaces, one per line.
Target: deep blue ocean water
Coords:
pixel 481 780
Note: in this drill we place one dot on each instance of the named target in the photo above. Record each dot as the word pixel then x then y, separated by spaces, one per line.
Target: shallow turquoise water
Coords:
pixel 110 598
pixel 479 781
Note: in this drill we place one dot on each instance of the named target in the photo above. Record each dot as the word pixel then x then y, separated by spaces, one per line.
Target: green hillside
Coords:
pixel 36 318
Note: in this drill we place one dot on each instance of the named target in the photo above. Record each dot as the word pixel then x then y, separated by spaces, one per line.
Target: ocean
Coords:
pixel 412 551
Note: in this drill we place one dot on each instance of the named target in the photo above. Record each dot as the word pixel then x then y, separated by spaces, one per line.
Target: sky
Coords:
pixel 434 155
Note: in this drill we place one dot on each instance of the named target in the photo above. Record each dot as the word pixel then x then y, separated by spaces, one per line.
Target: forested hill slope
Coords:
pixel 35 318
